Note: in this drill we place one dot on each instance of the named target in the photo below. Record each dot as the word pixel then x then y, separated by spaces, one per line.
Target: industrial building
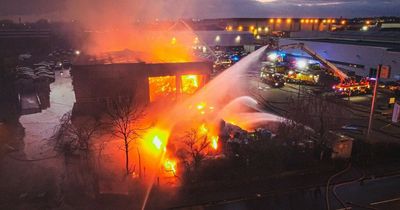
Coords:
pixel 356 57
pixel 97 82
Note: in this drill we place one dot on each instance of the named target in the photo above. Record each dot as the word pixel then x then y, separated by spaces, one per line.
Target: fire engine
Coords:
pixel 347 86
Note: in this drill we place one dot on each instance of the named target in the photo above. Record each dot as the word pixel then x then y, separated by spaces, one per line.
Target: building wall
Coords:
pixel 94 84
pixel 367 56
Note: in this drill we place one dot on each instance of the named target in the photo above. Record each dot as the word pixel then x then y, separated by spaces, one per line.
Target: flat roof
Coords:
pixel 392 46
pixel 127 56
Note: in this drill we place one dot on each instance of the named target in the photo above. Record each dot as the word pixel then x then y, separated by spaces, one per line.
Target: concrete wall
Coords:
pixel 369 57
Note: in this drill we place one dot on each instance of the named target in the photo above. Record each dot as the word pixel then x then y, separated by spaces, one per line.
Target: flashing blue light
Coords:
pixel 235 58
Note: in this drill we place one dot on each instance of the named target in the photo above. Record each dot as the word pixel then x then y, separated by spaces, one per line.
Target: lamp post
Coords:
pixel 371 115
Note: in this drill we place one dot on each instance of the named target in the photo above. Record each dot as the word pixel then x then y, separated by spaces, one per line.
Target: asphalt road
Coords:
pixel 382 193
pixel 357 109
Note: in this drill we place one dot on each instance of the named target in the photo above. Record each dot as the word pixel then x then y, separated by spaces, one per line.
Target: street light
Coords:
pixel 217 38
pixel 237 39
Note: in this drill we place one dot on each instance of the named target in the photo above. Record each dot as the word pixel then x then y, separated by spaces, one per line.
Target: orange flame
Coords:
pixel 190 83
pixel 156 139
pixel 203 129
pixel 170 166
pixel 157 142
pixel 214 142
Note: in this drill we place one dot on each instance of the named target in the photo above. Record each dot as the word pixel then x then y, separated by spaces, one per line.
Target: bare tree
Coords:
pixel 76 136
pixel 125 117
pixel 320 113
pixel 317 112
pixel 195 149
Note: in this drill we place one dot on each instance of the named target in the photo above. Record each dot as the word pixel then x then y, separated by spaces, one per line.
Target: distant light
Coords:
pixel 273 56
pixel 279 20
pixel 329 21
pixel 258 37
pixel 240 28
pixel 196 40
pixel 237 39
pixel 301 64
pixel 217 38
pixel 77 52
pixel 307 20
pixel 311 21
pixel 259 29
pixel 364 28
pixel 251 28
pixel 266 29
pixel 288 20
pixel 271 20
pixel 302 21
pixel 333 21
pixel 343 22
pixel 316 21
pixel 324 21
pixel 368 22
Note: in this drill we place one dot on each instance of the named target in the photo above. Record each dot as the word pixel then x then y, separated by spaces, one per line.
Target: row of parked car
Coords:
pixel 38 73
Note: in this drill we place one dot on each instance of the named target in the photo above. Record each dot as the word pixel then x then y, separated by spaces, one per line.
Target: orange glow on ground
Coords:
pixel 160 87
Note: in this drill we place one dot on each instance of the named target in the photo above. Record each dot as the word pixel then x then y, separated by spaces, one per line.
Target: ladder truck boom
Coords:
pixel 336 71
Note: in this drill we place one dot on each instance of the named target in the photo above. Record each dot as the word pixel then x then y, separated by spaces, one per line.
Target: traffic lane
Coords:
pixel 380 193
pixel 376 192
pixel 276 100
pixel 304 199
pixel 390 204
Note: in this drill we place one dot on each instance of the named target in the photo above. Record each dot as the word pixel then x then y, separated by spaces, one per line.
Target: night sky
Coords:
pixel 76 9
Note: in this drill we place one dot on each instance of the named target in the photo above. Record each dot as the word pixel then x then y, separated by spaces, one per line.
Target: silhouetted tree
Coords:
pixel 195 149
pixel 125 118
pixel 73 136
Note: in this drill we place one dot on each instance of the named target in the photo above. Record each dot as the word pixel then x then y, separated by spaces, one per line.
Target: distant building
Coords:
pixel 16 41
pixel 226 38
pixel 359 57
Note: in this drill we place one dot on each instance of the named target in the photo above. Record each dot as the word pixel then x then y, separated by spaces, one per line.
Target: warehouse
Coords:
pixel 359 57
pixel 97 80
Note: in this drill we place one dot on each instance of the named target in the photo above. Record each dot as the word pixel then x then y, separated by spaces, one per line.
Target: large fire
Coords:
pixel 160 87
pixel 153 46
pixel 156 139
pixel 166 86
pixel 170 166
pixel 190 83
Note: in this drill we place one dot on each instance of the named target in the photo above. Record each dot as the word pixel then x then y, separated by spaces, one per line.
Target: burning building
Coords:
pixel 99 78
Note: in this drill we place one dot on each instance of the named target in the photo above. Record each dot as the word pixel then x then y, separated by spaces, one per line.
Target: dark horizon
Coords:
pixel 211 9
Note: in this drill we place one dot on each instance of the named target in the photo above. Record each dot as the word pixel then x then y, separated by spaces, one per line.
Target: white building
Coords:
pixel 361 57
